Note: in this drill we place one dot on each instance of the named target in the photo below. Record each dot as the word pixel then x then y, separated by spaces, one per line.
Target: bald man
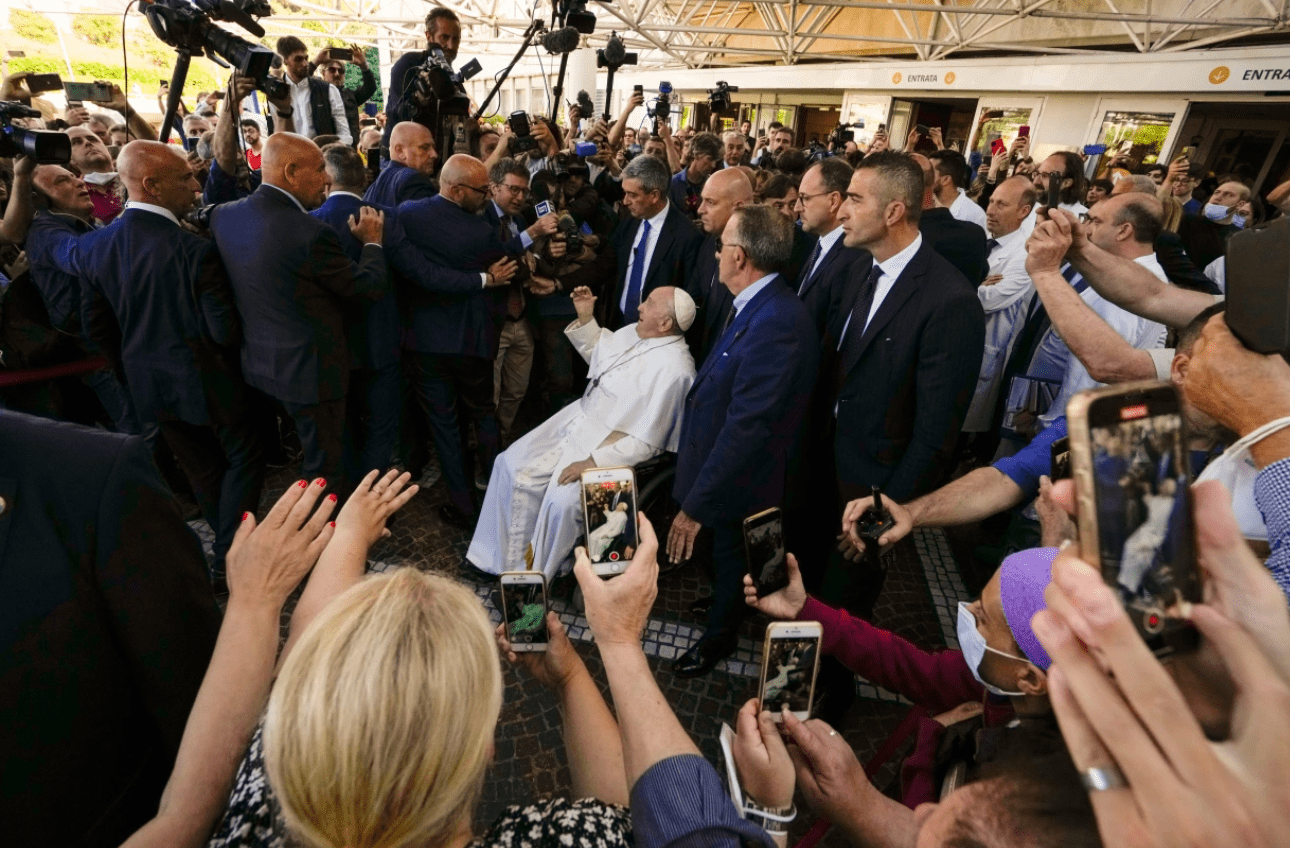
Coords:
pixel 723 193
pixel 408 175
pixel 452 332
pixel 294 286
pixel 157 302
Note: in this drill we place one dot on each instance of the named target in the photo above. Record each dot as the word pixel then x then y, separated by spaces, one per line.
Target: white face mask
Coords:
pixel 973 646
pixel 1216 212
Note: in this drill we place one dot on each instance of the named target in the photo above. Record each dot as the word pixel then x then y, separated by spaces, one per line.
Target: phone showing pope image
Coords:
pixel 524 609
pixel 790 660
pixel 764 548
pixel 609 509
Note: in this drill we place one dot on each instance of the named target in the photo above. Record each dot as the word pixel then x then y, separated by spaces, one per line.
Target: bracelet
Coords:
pixel 764 817
pixel 287 113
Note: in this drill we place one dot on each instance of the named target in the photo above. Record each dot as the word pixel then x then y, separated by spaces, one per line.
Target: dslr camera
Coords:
pixel 522 139
pixel 436 82
pixel 47 148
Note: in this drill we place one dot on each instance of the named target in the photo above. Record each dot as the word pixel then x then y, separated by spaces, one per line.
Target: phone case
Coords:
pixel 767 654
pixel 605 537
pixel 504 587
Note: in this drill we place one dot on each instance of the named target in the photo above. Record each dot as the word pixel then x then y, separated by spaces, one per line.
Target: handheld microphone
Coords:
pixel 562 40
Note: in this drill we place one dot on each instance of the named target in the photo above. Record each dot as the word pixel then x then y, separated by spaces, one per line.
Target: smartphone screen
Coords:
pixel 789 662
pixel 609 505
pixel 764 546
pixel 1023 131
pixel 524 610
pixel 1141 497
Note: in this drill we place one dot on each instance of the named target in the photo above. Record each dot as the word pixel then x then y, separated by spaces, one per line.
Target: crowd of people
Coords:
pixel 306 285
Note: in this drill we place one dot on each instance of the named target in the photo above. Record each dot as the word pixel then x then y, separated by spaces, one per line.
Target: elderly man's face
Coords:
pixel 65 190
pixel 655 310
pixel 734 150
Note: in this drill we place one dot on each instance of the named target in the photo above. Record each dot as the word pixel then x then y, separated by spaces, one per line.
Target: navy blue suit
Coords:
pixel 293 285
pixel 452 333
pixel 156 300
pixel 397 183
pixel 107 624
pixel 671 264
pixel 742 420
pixel 817 289
pixel 373 334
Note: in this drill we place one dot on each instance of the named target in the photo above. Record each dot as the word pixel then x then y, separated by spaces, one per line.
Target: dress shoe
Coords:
pixel 703 656
pixel 702 605
pixel 456 518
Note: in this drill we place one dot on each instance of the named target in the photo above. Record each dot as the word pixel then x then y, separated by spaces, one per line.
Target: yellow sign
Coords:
pixel 1219 75
pixel 949 78
pixel 895 78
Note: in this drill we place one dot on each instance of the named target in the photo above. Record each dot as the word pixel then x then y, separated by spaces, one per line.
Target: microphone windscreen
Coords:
pixel 615 52
pixel 562 40
pixel 567 225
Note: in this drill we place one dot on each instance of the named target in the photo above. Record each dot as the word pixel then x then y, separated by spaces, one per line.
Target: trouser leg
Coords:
pixel 432 381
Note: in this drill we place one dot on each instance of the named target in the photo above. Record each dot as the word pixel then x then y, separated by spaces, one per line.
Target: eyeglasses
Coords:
pixel 720 245
pixel 1051 175
pixel 803 198
pixel 518 191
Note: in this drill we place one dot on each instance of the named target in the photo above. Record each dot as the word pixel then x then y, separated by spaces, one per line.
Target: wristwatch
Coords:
pixel 773 820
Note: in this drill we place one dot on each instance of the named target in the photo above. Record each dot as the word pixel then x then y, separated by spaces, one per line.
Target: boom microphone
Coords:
pixel 615 52
pixel 562 40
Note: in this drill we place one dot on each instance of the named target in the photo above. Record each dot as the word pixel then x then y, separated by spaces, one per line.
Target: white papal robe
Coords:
pixel 630 412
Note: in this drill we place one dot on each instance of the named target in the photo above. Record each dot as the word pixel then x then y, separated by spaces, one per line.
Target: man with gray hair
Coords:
pixel 630 412
pixel 736 148
pixel 740 433
pixel 655 247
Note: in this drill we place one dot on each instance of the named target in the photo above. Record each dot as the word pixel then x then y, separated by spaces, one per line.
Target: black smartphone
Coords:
pixel 875 520
pixel 36 83
pixel 921 129
pixel 764 550
pixel 638 89
pixel 374 162
pixel 343 54
pixel 1257 296
pixel 1130 458
pixel 1054 198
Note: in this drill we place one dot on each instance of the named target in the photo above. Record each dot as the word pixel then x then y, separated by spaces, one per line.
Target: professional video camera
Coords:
pixel 186 26
pixel 48 148
pixel 575 14
pixel 435 81
pixel 522 139
pixel 614 54
pixel 719 97
pixel 843 133
pixel 661 108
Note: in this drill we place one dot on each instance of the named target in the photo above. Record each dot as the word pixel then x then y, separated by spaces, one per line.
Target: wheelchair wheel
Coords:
pixel 656 502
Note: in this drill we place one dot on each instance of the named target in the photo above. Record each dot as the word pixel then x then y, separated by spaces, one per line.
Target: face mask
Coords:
pixel 973 646
pixel 1239 221
pixel 1216 212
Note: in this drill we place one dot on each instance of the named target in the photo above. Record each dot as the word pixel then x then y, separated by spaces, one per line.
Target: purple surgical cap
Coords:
pixel 1022 579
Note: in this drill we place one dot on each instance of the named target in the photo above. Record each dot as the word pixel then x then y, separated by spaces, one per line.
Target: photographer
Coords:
pixel 333 71
pixel 316 106
pixel 443 30
pixel 20 209
pixel 231 176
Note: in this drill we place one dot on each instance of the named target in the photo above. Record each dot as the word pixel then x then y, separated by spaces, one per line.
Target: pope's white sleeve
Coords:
pixel 586 337
pixel 618 448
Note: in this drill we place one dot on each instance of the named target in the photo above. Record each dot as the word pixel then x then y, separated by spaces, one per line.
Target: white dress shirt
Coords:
pixel 892 268
pixel 643 253
pixel 299 205
pixel 826 244
pixel 156 210
pixel 965 208
pixel 741 299
pixel 1009 260
pixel 303 116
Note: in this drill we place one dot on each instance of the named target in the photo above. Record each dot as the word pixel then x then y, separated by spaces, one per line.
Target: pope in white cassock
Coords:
pixel 631 412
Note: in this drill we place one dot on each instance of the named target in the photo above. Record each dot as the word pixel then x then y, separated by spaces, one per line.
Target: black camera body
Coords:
pixel 719 97
pixel 875 521
pixel 47 148
pixel 522 140
pixel 436 82
pixel 187 27
pixel 1258 299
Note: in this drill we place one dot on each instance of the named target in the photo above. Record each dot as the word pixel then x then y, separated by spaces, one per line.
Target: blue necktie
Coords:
pixel 632 313
pixel 990 246
pixel 809 268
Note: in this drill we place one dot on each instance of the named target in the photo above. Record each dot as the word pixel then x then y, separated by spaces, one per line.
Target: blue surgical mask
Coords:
pixel 1216 211
pixel 1239 221
pixel 973 646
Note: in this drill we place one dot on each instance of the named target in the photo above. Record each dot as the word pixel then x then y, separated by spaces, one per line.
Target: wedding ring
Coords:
pixel 1101 779
pixel 833 733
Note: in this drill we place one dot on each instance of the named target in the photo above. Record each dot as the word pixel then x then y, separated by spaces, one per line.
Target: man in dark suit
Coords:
pixel 408 176
pixel 156 301
pixel 961 243
pixel 742 418
pixel 901 355
pixel 819 201
pixel 655 247
pixel 107 626
pixel 452 333
pixel 723 193
pixel 293 285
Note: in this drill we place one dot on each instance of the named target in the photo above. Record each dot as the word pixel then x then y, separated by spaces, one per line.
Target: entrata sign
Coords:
pixel 923 78
pixel 1253 77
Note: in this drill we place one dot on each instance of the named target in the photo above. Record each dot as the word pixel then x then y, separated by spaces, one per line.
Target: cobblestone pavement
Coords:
pixel 918 602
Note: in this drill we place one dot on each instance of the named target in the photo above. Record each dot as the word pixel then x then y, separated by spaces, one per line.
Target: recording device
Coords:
pixel 1130 458
pixel 524 608
pixel 1258 299
pixel 614 54
pixel 47 148
pixel 95 92
pixel 37 83
pixel 997 146
pixel 719 97
pixel 843 133
pixel 585 148
pixel 201 216
pixel 609 509
pixel 586 108
pixel 522 139
pixel 790 659
pixel 874 521
pixel 1054 198
pixel 662 103
pixel 574 14
pixel 343 54
pixel 764 551
pixel 572 235
pixel 562 40
pixel 1187 153
pixel 638 89
pixel 436 81
pixel 921 129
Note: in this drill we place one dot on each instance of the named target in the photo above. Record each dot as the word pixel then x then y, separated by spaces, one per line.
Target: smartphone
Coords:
pixel 921 129
pixel 344 54
pixel 882 128
pixel 638 89
pixel 1023 131
pixel 36 83
pixel 1188 153
pixel 609 508
pixel 790 660
pixel 764 550
pixel 997 146
pixel 1054 198
pixel 1130 459
pixel 524 609
pixel 374 162
pixel 91 91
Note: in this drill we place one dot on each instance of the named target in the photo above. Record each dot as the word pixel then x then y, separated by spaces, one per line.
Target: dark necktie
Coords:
pixel 515 298
pixel 849 351
pixel 990 245
pixel 730 319
pixel 631 314
pixel 809 269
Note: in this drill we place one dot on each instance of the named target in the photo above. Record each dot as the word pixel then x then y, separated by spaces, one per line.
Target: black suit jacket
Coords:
pixel 962 243
pixel 292 281
pixel 107 624
pixel 903 398
pixel 819 289
pixel 671 264
pixel 156 300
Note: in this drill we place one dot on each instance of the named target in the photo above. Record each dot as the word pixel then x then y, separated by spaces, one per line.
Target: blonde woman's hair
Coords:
pixel 380 725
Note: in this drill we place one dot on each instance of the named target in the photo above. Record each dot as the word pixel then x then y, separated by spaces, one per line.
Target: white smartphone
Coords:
pixel 524 609
pixel 790 660
pixel 609 509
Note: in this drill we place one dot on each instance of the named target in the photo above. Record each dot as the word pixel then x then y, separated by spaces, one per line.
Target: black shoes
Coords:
pixel 703 656
pixel 456 518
